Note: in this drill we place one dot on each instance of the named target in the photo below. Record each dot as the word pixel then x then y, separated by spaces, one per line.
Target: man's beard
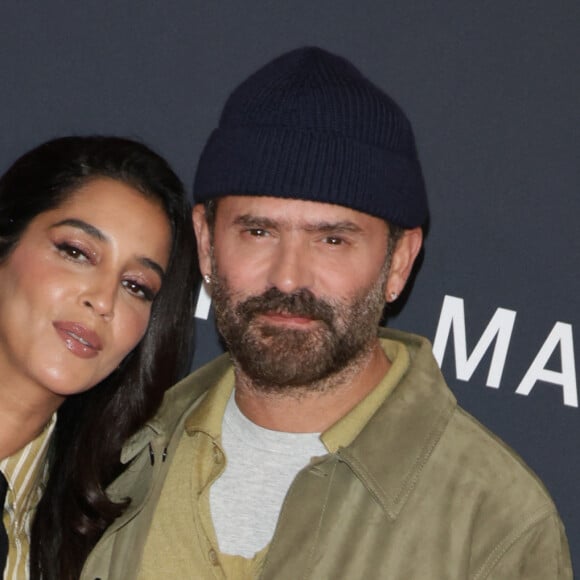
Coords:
pixel 280 359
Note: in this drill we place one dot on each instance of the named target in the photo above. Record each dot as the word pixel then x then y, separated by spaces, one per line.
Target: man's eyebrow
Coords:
pixel 97 234
pixel 250 221
pixel 84 226
pixel 338 227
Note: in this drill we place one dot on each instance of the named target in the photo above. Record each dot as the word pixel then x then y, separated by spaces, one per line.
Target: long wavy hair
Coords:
pixel 84 455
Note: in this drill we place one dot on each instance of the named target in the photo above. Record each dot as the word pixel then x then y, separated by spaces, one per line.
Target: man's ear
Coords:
pixel 402 261
pixel 203 235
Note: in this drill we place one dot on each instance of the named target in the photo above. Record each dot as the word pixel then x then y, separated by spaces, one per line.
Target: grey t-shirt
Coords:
pixel 260 466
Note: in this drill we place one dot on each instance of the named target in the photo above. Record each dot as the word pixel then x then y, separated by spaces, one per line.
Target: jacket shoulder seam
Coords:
pixel 503 547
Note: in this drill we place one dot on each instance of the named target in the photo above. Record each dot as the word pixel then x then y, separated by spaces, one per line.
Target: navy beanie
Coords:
pixel 308 125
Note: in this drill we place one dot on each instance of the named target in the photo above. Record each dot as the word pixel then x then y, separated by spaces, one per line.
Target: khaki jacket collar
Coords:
pixel 390 452
pixel 177 402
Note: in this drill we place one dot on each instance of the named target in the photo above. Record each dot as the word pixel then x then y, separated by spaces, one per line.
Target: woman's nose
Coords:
pixel 100 296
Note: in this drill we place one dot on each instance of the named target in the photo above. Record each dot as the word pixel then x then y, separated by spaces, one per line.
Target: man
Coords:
pixel 319 447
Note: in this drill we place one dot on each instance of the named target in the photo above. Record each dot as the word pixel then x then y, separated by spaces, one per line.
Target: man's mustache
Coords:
pixel 301 303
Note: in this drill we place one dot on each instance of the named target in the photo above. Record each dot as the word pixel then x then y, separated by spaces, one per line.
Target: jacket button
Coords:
pixel 213 557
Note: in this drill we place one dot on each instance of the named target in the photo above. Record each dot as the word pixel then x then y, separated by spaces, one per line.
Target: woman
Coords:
pixel 97 270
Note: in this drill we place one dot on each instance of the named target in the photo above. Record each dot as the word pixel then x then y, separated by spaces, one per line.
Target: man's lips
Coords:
pixel 287 318
pixel 80 340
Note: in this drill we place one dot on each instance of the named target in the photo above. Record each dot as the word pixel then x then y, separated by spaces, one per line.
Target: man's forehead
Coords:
pixel 296 211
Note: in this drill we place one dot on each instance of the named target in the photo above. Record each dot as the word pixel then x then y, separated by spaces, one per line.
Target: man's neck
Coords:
pixel 312 408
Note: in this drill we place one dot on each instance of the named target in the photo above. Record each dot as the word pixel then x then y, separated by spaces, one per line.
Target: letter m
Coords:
pixel 499 330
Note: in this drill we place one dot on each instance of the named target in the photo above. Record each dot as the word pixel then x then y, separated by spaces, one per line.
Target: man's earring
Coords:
pixel 207 278
pixel 393 296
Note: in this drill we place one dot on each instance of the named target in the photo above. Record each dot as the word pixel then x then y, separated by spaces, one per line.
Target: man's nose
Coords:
pixel 290 269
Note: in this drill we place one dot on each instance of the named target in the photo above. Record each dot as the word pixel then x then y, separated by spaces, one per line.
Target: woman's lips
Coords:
pixel 79 340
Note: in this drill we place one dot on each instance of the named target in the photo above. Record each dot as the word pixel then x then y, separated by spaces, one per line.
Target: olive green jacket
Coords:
pixel 423 493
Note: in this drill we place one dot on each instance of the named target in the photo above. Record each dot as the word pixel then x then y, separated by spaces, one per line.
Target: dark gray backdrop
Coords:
pixel 493 90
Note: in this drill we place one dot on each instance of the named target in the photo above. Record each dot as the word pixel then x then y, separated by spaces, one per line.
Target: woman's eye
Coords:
pixel 73 252
pixel 139 290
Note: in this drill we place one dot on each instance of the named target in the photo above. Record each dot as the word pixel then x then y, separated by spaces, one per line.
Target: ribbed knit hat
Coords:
pixel 309 125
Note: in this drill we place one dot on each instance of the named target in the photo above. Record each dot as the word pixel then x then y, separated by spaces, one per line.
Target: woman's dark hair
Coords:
pixel 92 426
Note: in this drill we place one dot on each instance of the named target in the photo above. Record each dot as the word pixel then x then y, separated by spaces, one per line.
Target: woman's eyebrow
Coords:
pixel 84 226
pixel 152 265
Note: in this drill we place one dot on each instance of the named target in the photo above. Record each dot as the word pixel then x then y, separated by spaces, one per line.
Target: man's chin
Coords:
pixel 282 340
pixel 279 362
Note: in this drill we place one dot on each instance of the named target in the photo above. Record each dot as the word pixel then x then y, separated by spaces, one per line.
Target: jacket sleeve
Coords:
pixel 540 553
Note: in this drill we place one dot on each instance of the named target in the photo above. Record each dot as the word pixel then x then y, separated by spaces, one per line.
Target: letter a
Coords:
pixel 561 335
